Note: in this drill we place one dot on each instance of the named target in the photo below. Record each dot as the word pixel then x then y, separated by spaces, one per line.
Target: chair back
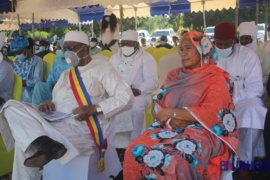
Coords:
pixel 17 88
pixel 166 64
pixel 106 53
pixel 48 59
pixel 101 57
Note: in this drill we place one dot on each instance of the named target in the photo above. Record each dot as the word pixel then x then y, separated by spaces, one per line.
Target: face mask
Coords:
pixel 162 42
pixel 36 47
pixel 59 53
pixel 93 44
pixel 127 51
pixel 42 48
pixel 72 57
pixel 224 52
pixel 107 19
pixel 21 57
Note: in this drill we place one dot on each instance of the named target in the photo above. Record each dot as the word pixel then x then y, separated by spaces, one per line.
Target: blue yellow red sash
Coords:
pixel 83 99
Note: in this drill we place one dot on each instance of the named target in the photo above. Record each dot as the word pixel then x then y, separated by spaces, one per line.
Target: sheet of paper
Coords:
pixel 50 116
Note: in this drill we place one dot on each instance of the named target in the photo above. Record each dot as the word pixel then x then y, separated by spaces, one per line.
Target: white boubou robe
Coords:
pixel 246 71
pixel 140 72
pixel 20 124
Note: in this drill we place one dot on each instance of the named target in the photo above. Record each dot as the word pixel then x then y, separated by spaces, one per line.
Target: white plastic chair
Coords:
pixel 166 64
pixel 83 167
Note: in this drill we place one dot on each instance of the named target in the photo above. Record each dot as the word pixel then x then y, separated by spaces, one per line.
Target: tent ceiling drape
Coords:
pixel 5 6
pixel 196 5
pixel 33 6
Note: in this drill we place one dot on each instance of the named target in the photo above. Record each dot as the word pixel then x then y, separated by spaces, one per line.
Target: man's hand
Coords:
pixel 47 106
pixel 82 113
pixel 136 92
pixel 2 101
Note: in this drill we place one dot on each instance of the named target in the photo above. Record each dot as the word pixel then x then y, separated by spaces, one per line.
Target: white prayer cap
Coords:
pixel 130 35
pixel 2 39
pixel 77 36
pixel 248 28
pixel 107 12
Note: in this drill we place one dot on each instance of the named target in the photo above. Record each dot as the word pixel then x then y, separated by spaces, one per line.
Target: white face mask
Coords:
pixel 127 51
pixel 163 42
pixel 107 19
pixel 93 44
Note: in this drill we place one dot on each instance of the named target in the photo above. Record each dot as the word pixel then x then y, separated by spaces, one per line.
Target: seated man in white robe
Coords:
pixel 37 142
pixel 138 68
pixel 245 68
pixel 248 37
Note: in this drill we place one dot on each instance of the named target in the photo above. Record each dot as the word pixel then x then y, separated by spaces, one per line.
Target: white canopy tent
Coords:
pixel 33 6
pixel 11 21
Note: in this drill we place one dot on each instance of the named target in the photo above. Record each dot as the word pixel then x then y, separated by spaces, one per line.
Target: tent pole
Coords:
pixel 204 20
pixel 39 31
pixel 236 13
pixel 33 25
pixel 19 24
pixel 80 26
pixel 121 18
pixel 93 28
pixel 266 19
pixel 257 11
pixel 136 25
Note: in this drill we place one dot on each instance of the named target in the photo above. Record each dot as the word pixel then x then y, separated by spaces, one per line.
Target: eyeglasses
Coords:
pixel 70 48
pixel 129 44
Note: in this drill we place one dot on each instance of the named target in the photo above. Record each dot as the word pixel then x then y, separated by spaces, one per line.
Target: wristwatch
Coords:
pixel 98 109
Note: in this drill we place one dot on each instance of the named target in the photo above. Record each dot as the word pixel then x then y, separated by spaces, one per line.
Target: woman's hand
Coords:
pixel 84 112
pixel 47 106
pixel 164 115
pixel 176 123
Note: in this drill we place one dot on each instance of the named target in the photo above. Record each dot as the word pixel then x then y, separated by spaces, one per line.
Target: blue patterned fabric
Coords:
pixel 43 91
pixel 18 43
pixel 32 71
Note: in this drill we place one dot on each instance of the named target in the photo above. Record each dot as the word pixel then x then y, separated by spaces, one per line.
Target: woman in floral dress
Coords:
pixel 195 133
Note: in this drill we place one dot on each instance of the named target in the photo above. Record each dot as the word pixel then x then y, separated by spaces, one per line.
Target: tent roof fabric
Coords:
pixel 5 6
pixel 249 3
pixel 179 6
pixel 196 5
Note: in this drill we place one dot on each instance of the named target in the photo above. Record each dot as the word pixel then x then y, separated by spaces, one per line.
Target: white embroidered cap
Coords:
pixel 77 36
pixel 130 35
pixel 248 28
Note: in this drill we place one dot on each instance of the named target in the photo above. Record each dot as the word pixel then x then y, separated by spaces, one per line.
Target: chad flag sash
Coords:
pixel 83 99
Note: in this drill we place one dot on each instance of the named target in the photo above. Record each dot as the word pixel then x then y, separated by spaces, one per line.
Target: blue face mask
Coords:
pixel 223 53
pixel 59 53
pixel 42 48
pixel 21 57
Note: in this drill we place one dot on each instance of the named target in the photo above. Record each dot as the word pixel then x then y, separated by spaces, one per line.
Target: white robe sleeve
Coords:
pixel 120 95
pixel 253 83
pixel 265 62
pixel 150 79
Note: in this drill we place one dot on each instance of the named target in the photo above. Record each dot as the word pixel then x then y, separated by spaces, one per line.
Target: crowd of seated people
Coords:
pixel 208 111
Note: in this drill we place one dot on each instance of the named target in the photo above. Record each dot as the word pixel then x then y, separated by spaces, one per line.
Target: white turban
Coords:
pixel 130 35
pixel 250 29
pixel 77 36
pixel 108 12
pixel 2 39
